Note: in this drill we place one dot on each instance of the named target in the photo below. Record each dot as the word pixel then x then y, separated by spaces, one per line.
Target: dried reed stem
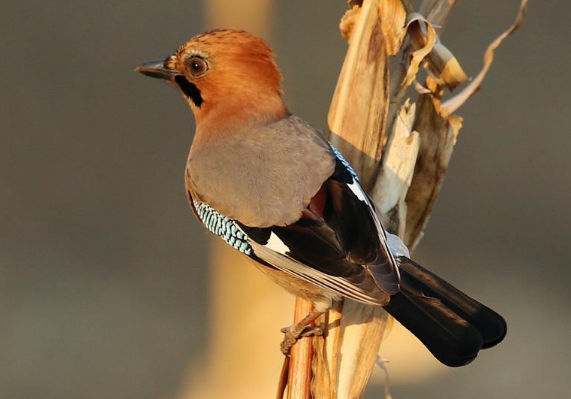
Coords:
pixel 299 378
pixel 400 150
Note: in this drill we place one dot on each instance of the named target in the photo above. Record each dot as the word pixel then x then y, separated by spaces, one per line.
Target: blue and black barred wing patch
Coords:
pixel 344 162
pixel 222 226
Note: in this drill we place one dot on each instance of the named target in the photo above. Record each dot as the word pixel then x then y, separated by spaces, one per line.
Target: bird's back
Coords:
pixel 262 176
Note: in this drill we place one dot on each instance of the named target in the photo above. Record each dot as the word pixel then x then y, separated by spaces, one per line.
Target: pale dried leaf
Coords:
pixel 423 38
pixel 420 89
pixel 440 62
pixel 392 15
pixel 451 105
pixel 436 12
pixel 348 22
pixel 395 177
pixel 444 67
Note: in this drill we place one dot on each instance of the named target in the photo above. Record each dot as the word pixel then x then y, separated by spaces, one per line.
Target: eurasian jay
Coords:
pixel 272 187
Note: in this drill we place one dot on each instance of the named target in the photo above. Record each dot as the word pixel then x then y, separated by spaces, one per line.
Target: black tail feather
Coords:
pixel 450 339
pixel 453 326
pixel 417 279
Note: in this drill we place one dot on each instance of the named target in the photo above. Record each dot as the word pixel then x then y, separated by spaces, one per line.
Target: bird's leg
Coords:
pixel 300 330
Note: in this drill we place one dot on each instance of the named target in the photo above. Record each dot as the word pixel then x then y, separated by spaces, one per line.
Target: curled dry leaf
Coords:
pixel 423 38
pixel 440 62
pixel 452 104
pixel 444 67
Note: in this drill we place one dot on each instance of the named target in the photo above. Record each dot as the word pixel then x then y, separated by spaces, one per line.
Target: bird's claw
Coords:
pixel 293 333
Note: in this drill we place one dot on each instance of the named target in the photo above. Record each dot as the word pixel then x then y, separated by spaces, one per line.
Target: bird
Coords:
pixel 272 187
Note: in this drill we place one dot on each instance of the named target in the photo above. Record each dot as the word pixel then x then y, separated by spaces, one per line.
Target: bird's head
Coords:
pixel 227 77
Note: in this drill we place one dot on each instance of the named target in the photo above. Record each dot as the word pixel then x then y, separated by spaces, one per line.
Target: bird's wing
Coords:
pixel 338 244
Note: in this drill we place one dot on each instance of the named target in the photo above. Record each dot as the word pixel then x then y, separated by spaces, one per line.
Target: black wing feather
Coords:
pixel 345 242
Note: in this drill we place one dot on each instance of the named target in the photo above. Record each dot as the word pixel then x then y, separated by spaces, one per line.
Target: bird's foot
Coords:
pixel 295 332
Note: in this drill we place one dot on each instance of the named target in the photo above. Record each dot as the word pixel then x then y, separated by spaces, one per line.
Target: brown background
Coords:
pixel 103 284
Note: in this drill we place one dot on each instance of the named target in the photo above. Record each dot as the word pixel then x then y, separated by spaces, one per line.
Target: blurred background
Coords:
pixel 104 280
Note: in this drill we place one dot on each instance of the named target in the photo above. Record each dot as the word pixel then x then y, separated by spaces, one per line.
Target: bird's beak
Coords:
pixel 156 69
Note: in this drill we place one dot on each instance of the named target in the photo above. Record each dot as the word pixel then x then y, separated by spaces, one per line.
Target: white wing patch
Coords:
pixel 277 245
pixel 358 191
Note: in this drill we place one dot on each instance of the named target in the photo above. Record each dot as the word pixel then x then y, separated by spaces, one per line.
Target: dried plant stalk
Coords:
pixel 358 117
pixel 360 103
pixel 401 152
pixel 299 379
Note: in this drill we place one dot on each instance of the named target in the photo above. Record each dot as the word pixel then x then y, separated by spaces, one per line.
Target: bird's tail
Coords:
pixel 453 326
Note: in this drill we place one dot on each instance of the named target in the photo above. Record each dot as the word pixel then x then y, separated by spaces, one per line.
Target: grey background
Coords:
pixel 102 283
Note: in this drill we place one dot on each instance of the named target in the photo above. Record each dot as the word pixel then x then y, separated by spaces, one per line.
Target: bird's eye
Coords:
pixel 197 66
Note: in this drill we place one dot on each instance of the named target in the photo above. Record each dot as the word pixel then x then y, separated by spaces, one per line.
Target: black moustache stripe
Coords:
pixel 190 90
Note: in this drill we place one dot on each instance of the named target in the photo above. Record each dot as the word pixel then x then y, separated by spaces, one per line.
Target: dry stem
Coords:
pixel 401 152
